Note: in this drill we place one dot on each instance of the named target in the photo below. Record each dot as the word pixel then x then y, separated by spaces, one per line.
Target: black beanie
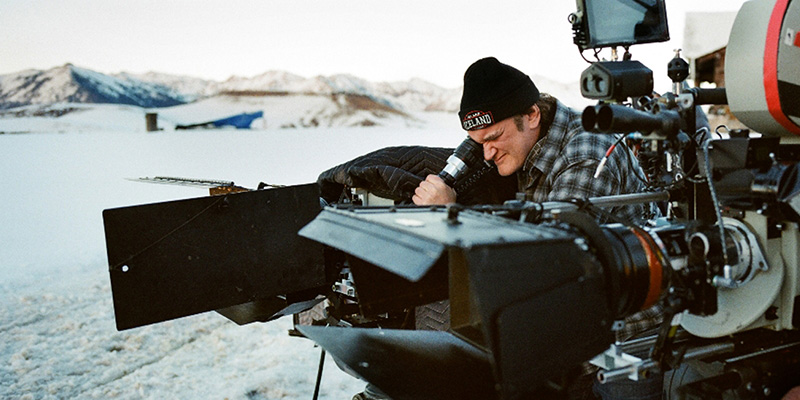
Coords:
pixel 494 91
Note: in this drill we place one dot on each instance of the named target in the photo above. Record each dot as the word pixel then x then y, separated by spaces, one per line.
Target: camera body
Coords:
pixel 723 264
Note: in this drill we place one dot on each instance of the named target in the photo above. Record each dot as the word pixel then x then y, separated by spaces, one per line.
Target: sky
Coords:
pixel 375 40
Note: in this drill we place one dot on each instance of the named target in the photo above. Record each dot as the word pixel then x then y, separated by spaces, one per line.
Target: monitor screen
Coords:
pixel 624 22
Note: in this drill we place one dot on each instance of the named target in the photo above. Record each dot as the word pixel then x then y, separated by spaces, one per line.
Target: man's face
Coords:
pixel 507 146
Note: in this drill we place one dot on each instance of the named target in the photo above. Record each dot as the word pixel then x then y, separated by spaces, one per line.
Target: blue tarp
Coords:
pixel 241 121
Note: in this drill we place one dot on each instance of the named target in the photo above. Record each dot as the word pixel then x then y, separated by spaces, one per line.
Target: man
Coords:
pixel 540 140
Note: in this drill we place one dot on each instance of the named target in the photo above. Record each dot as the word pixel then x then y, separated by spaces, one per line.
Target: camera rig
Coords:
pixel 534 289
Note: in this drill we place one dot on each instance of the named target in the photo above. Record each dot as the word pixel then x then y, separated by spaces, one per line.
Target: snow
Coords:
pixel 56 316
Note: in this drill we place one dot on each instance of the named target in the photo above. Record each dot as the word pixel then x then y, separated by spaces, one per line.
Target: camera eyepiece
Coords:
pixel 468 155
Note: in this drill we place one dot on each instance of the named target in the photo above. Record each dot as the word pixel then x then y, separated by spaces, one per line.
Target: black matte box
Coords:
pixel 178 258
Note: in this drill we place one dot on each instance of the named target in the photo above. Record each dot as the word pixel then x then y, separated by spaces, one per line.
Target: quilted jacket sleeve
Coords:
pixel 394 173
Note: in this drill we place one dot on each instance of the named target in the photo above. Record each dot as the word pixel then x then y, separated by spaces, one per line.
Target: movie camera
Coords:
pixel 534 289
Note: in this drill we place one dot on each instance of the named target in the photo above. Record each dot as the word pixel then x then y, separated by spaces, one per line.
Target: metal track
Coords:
pixel 170 180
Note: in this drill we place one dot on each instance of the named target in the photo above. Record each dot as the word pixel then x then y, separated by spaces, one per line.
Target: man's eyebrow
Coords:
pixel 494 135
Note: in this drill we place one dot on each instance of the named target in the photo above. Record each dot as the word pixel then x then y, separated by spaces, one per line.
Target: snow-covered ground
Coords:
pixel 56 316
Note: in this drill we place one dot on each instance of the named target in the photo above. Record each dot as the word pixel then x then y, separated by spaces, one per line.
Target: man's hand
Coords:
pixel 433 191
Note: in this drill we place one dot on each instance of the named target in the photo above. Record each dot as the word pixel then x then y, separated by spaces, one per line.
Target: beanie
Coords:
pixel 494 91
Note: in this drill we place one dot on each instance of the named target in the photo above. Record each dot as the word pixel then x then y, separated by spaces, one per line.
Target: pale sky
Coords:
pixel 378 40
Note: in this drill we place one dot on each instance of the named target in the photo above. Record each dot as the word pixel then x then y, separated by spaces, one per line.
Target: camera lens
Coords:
pixel 639 272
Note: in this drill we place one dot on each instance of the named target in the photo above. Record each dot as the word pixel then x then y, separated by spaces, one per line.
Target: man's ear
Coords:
pixel 534 117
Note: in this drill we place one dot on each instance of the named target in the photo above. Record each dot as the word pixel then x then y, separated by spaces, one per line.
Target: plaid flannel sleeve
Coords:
pixel 576 181
pixel 573 173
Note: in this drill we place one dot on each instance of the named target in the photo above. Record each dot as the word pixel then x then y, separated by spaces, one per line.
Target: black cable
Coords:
pixel 319 374
pixel 584 57
pixel 621 138
pixel 647 184
pixel 714 198
pixel 705 131
pixel 716 130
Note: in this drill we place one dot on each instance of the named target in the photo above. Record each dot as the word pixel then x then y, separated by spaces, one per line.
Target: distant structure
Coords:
pixel 238 121
pixel 705 42
pixel 151 121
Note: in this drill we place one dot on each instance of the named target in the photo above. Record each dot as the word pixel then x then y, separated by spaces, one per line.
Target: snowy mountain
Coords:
pixel 287 100
pixel 414 95
pixel 291 110
pixel 71 84
pixel 411 96
pixel 190 87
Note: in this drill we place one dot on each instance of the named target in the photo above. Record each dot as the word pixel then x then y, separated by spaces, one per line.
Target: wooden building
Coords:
pixel 704 44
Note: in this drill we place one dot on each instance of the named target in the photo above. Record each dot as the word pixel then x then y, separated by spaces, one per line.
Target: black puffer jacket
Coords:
pixel 394 173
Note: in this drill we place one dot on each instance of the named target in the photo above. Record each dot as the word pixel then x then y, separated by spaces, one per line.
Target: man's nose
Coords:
pixel 488 151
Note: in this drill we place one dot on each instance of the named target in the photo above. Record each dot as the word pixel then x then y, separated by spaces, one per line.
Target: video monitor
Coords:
pixel 608 23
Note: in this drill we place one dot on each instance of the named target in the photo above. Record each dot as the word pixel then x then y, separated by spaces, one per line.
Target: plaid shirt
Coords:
pixel 561 166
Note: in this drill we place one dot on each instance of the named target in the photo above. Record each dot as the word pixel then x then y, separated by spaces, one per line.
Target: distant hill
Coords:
pixel 71 84
pixel 291 110
pixel 411 96
pixel 338 100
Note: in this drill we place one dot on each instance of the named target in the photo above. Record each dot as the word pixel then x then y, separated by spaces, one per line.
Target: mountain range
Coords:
pixel 346 93
pixel 72 84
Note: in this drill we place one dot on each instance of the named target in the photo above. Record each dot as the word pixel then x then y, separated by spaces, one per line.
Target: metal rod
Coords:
pixel 643 367
pixel 617 200
pixel 710 350
pixel 632 198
